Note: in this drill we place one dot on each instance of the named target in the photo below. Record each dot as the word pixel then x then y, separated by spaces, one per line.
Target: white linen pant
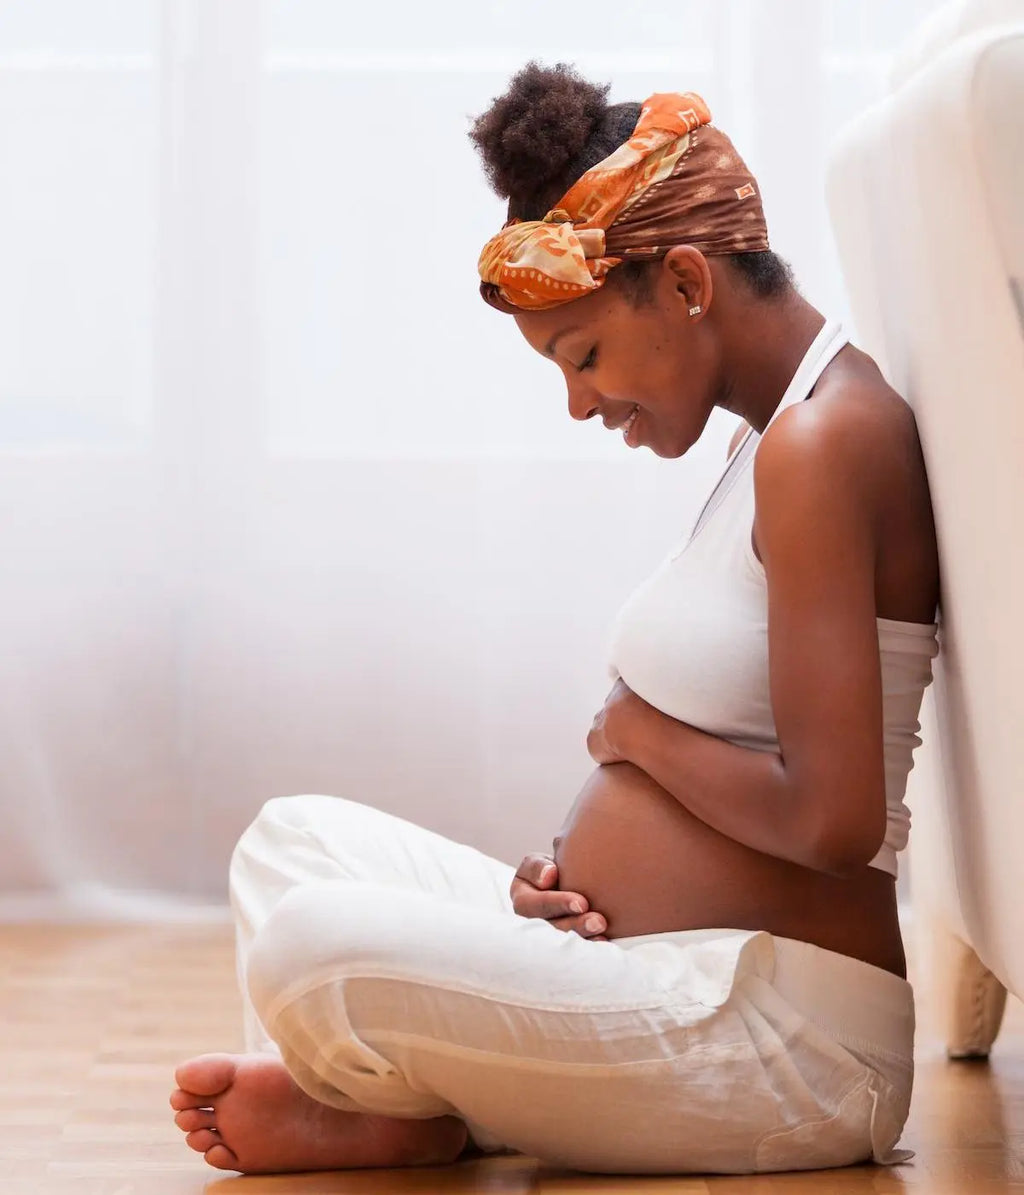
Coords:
pixel 386 964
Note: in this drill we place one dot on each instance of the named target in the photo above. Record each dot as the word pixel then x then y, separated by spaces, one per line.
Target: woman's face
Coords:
pixel 646 369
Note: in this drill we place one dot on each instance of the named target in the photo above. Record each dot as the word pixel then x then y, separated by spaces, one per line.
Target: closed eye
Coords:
pixel 588 360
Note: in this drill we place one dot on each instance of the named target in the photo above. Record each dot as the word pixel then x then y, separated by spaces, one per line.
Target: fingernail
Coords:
pixel 576 906
pixel 546 873
pixel 592 924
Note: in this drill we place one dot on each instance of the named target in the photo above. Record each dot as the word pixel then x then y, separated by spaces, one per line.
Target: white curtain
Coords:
pixel 285 506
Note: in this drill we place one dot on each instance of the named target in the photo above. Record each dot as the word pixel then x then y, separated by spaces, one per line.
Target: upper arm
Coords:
pixel 816 531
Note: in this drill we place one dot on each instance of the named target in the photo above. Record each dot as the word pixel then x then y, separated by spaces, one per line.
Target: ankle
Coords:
pixel 436 1142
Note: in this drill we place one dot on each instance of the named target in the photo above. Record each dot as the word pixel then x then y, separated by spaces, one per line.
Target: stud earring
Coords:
pixel 695 310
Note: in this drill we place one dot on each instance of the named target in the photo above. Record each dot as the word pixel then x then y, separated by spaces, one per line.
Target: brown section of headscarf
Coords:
pixel 710 201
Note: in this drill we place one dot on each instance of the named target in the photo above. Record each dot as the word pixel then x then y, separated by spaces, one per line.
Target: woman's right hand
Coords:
pixel 535 893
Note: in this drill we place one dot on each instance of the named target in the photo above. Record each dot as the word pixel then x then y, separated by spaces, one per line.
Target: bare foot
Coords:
pixel 245 1112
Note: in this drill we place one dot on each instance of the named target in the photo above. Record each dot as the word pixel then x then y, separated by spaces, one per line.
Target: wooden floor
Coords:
pixel 92 1021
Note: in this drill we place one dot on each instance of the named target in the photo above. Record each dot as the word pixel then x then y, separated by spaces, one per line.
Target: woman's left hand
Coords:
pixel 605 740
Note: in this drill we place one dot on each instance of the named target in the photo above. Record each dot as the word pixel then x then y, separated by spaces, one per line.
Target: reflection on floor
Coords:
pixel 93 1019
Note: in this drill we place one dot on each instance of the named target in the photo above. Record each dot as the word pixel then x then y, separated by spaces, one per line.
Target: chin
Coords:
pixel 670 453
pixel 669 446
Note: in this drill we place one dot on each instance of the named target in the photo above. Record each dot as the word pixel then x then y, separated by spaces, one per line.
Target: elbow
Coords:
pixel 842 850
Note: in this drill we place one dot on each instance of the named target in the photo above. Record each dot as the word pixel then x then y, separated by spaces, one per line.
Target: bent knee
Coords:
pixel 265 838
pixel 297 811
pixel 317 933
pixel 322 933
pixel 280 953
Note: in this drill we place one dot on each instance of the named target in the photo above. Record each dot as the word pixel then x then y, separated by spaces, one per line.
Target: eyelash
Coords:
pixel 587 361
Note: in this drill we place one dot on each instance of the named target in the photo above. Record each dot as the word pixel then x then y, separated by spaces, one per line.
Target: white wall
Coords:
pixel 286 507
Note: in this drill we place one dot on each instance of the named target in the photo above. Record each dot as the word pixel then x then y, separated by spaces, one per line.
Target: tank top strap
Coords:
pixel 822 350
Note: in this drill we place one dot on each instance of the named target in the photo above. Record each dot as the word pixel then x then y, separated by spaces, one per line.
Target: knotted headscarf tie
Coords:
pixel 676 181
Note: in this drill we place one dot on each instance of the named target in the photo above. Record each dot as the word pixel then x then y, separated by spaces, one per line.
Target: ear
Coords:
pixel 686 270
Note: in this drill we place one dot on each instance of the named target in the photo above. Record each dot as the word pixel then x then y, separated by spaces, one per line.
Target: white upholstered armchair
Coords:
pixel 926 194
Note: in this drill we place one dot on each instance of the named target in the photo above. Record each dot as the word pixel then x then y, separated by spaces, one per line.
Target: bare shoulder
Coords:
pixel 852 454
pixel 855 432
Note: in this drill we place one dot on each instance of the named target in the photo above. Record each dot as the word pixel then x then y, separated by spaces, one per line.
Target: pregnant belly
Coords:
pixel 648 865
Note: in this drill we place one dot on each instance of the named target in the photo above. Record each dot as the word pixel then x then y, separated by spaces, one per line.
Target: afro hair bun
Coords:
pixel 531 135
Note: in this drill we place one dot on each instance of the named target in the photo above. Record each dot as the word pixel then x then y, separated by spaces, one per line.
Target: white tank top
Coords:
pixel 692 640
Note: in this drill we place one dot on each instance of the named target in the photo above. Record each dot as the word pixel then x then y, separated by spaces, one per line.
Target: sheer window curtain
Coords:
pixel 286 507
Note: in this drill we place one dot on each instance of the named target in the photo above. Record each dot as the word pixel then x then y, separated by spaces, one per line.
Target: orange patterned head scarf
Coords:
pixel 676 181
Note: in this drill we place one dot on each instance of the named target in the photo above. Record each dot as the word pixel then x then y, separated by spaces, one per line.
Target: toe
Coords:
pixel 180 1100
pixel 221 1157
pixel 209 1074
pixel 192 1119
pixel 202 1140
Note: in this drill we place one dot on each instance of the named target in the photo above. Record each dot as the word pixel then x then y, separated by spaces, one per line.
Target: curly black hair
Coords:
pixel 551 126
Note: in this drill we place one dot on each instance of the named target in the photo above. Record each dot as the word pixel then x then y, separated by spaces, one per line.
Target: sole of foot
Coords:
pixel 244 1112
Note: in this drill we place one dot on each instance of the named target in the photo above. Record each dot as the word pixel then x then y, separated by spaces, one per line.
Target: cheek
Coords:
pixel 651 373
pixel 687 383
pixel 670 388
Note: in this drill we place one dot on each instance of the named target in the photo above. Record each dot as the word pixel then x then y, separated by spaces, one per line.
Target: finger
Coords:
pixel 528 901
pixel 589 926
pixel 538 870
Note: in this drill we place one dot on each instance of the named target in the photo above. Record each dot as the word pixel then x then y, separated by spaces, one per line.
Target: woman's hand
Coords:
pixel 604 742
pixel 535 893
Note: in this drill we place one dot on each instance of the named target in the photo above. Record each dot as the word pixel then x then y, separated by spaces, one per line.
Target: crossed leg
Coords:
pixel 245 1112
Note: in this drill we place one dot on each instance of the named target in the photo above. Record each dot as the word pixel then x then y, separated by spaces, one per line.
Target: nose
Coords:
pixel 583 399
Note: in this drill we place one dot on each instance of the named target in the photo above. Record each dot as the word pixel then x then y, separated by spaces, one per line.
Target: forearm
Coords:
pixel 745 794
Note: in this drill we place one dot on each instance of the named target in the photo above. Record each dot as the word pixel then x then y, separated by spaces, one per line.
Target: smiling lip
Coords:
pixel 622 422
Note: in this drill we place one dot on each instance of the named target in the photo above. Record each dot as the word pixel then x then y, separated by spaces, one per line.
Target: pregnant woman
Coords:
pixel 707 973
